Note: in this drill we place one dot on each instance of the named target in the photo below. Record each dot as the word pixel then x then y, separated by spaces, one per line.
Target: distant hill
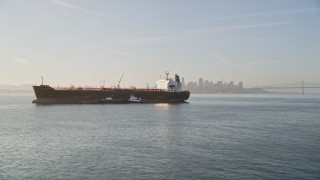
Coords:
pixel 26 88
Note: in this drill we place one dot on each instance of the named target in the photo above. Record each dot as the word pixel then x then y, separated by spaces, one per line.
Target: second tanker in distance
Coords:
pixel 168 90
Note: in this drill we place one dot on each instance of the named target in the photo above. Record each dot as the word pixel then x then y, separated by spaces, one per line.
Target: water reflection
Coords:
pixel 164 121
pixel 162 106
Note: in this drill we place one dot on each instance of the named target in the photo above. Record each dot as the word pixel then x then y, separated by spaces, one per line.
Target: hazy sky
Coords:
pixel 82 42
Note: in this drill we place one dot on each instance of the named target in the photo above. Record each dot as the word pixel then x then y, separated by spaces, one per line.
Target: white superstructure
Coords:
pixel 169 84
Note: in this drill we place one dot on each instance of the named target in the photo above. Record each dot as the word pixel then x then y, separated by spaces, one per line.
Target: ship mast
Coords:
pixel 102 83
pixel 118 86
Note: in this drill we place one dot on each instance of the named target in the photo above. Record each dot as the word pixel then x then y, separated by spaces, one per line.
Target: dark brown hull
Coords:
pixel 48 95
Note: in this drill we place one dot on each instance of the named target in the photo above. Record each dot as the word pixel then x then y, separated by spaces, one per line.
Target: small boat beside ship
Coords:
pixel 167 90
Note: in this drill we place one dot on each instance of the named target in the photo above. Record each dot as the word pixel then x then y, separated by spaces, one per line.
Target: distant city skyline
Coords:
pixel 209 87
pixel 83 42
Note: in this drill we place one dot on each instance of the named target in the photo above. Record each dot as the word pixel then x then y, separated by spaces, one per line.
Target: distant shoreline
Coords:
pixel 27 89
pixel 11 91
pixel 15 89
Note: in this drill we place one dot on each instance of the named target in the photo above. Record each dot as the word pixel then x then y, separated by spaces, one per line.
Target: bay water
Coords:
pixel 210 137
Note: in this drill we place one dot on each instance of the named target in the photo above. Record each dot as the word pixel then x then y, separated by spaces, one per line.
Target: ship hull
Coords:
pixel 48 95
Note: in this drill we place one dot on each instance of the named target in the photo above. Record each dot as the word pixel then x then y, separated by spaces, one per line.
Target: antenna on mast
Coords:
pixel 118 86
pixel 167 75
pixel 41 80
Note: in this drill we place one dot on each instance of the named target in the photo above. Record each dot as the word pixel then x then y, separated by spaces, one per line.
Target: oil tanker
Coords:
pixel 167 90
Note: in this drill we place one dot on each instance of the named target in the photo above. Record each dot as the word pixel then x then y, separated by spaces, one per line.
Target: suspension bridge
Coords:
pixel 301 86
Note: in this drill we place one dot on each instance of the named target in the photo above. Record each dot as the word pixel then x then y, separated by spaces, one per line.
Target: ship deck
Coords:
pixel 107 89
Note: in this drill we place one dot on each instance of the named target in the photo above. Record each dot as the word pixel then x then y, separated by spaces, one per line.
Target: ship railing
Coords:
pixel 82 89
pixel 107 89
pixel 149 90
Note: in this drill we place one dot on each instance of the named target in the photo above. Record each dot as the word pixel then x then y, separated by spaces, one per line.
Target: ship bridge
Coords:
pixel 169 84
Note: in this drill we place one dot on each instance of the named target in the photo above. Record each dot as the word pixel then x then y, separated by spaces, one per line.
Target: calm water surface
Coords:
pixel 212 137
